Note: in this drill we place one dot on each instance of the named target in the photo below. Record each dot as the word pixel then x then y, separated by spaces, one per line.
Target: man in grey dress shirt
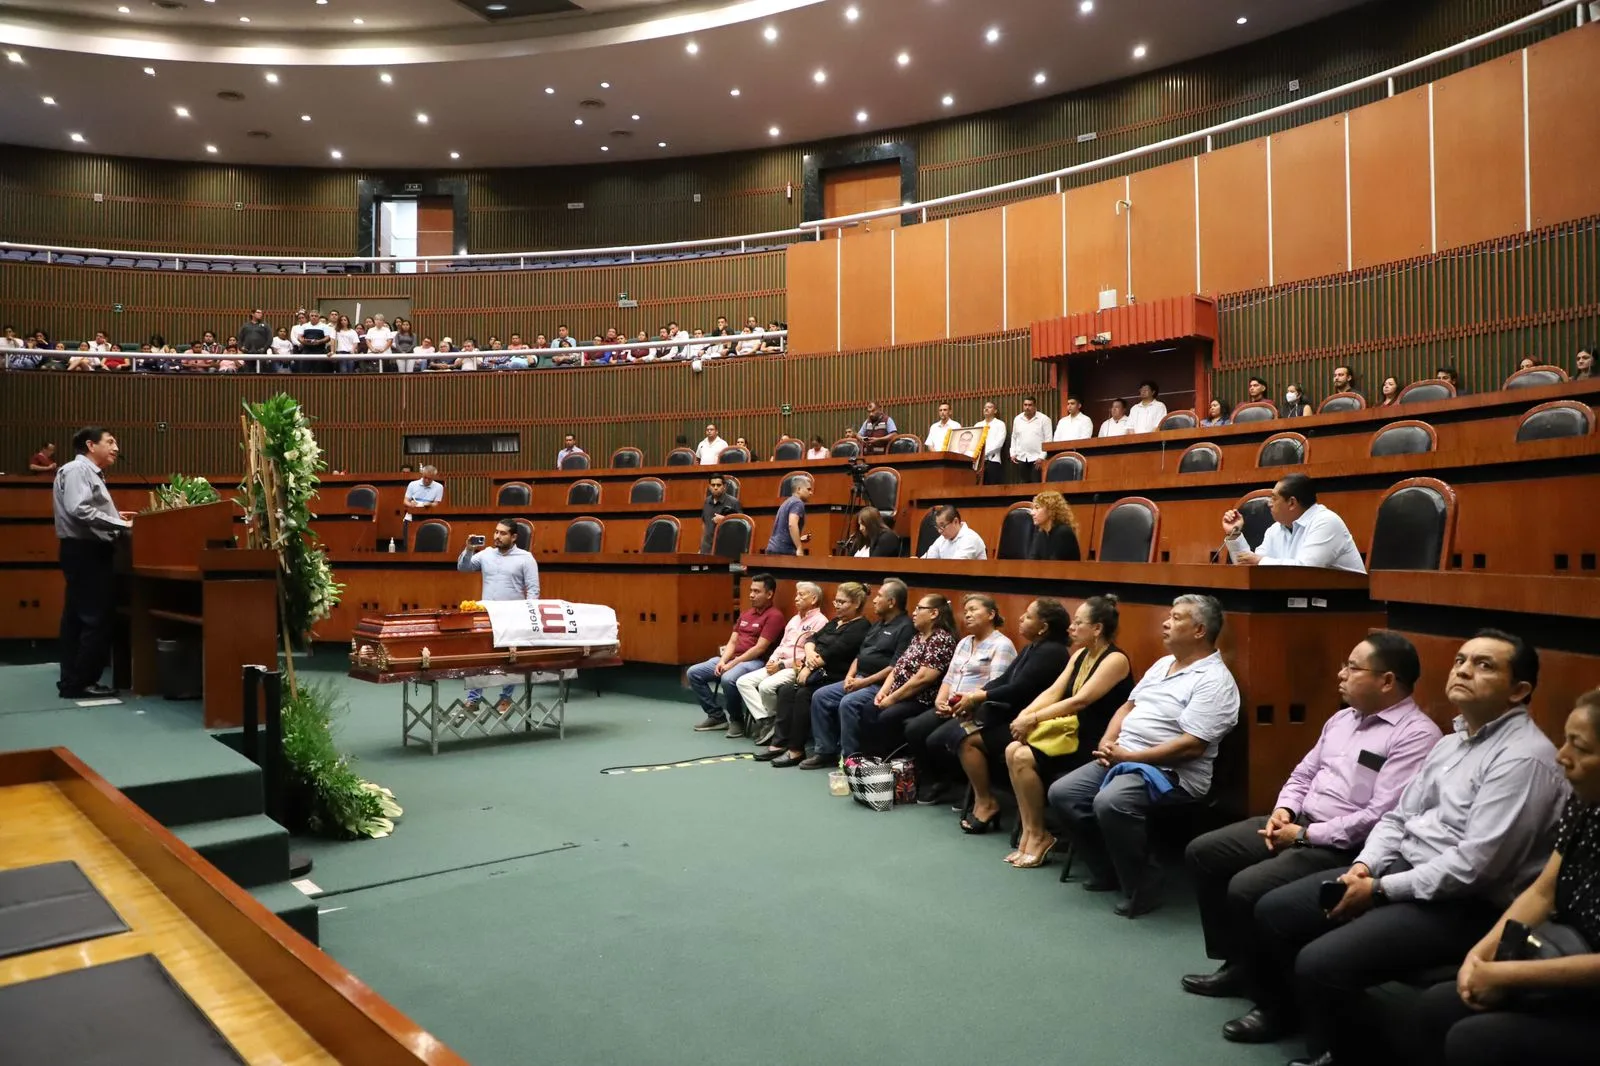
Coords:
pixel 509 573
pixel 88 525
pixel 1471 830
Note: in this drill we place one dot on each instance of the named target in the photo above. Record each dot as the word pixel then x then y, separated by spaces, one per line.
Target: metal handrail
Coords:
pixel 814 229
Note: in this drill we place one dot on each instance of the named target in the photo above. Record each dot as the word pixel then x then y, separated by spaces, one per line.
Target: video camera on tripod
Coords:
pixel 857 468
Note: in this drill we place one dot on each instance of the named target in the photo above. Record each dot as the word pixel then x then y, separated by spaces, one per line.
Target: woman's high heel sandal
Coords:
pixel 1033 862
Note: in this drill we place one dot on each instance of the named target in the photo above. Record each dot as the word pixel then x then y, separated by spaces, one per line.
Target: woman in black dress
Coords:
pixel 1542 1009
pixel 1055 530
pixel 873 537
pixel 1093 687
pixel 828 655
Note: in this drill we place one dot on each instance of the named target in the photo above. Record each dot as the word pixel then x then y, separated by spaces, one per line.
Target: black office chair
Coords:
pixel 927 532
pixel 786 486
pixel 1066 466
pixel 789 450
pixel 682 457
pixel 1534 376
pixel 575 461
pixel 514 494
pixel 905 444
pixel 582 493
pixel 1256 509
pixel 848 448
pixel 1128 531
pixel 1342 401
pixel 731 485
pixel 647 490
pixel 362 497
pixel 1179 420
pixel 883 489
pixel 733 454
pixel 584 536
pixel 1414 527
pixel 627 458
pixel 522 529
pixel 1201 458
pixel 732 537
pixel 662 535
pixel 1283 449
pixel 1409 437
pixel 431 535
pixel 1554 420
pixel 1016 532
pixel 1426 390
pixel 1255 411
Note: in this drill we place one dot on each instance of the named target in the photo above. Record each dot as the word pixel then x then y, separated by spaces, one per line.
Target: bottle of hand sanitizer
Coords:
pixel 391 545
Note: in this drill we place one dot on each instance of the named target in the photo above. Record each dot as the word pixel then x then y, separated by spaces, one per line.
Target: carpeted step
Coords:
pixel 252 850
pixel 290 904
pixel 223 793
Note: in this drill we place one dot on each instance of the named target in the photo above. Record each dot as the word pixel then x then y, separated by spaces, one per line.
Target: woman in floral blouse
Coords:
pixel 911 686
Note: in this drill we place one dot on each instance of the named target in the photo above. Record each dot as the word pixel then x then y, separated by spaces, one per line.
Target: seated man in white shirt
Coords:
pixel 1158 750
pixel 940 429
pixel 1074 425
pixel 425 493
pixel 1119 424
pixel 1303 532
pixel 956 539
pixel 1147 414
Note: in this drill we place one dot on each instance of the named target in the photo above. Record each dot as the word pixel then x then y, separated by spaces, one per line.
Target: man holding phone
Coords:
pixel 509 573
pixel 1366 754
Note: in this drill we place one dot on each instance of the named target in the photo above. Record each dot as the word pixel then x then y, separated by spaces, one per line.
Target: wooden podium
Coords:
pixel 184 575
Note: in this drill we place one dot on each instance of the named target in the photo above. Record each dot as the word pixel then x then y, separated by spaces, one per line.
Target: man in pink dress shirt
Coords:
pixel 1366 755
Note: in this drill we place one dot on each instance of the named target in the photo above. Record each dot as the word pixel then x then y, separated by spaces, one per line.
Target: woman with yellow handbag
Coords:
pixel 1057 732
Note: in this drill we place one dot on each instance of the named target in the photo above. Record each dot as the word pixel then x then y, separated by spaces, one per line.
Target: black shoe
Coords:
pixel 72 693
pixel 1098 884
pixel 769 755
pixel 1143 901
pixel 1256 1026
pixel 766 735
pixel 785 759
pixel 100 691
pixel 818 762
pixel 932 792
pixel 1227 982
pixel 1324 1059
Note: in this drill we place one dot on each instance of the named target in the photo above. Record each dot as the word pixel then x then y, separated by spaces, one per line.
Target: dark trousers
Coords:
pixel 87 613
pixel 1233 869
pixel 879 730
pixel 1327 967
pixel 1110 825
pixel 993 473
pixel 1027 473
pixel 933 763
pixel 793 713
pixel 1455 1035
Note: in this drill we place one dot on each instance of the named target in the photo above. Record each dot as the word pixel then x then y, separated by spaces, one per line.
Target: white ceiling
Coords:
pixel 483 85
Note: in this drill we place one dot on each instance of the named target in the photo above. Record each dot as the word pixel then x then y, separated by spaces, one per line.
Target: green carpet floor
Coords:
pixel 729 913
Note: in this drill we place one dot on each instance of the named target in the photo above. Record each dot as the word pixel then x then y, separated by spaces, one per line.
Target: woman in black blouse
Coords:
pixel 1094 685
pixel 1055 530
pixel 1540 1010
pixel 874 538
pixel 828 655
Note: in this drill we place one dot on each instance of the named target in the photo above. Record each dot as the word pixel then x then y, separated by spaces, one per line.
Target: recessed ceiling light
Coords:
pixel 244 18
pixel 305 118
pixel 492 7
pixel 948 100
pixel 1086 6
pixel 49 101
pixel 336 153
pixel 358 22
pixel 455 155
pixel 861 116
pixel 272 79
pixel 1139 51
pixel 1038 79
pixel 770 33
pixel 15 57
pixel 992 34
pixel 820 76
pixel 549 90
pixel 904 58
pixel 322 1
pixel 636 118
pixel 577 122
pixel 181 112
pixel 212 149
pixel 605 148
pixel 1241 20
pixel 605 85
pixel 386 78
pixel 124 10
pixel 733 92
pixel 692 48
pixel 852 13
pixel 422 118
pixel 773 131
pixel 661 144
pixel 77 138
pixel 150 71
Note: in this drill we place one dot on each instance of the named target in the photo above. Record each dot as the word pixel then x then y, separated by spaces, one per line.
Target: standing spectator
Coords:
pixel 1074 425
pixel 316 338
pixel 282 347
pixel 347 341
pixel 379 339
pixel 569 446
pixel 719 503
pixel 255 336
pixel 43 460
pixel 993 442
pixel 709 450
pixel 88 525
pixel 1119 424
pixel 878 425
pixel 404 344
pixel 757 630
pixel 509 573
pixel 940 430
pixel 1147 414
pixel 1029 432
pixel 789 525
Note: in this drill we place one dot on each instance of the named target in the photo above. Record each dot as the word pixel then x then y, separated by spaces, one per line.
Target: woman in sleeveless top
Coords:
pixel 1094 685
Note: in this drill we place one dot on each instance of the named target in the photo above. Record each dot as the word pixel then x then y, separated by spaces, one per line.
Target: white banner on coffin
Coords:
pixel 550 623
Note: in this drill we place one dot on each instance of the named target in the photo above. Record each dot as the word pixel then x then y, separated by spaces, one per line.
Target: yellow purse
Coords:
pixel 1056 736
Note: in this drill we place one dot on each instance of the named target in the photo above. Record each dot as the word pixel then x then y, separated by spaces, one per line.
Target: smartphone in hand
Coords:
pixel 1330 895
pixel 476 540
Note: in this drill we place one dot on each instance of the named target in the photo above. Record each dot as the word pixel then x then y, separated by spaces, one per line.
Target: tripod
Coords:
pixel 852 512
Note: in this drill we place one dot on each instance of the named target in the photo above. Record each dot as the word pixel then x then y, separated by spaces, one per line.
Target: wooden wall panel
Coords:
pixel 1564 126
pixel 1163 231
pixel 866 290
pixel 976 266
pixel 813 272
pixel 1477 148
pixel 1096 248
pixel 1308 200
pixel 1233 218
pixel 919 282
pixel 1390 186
pixel 1033 260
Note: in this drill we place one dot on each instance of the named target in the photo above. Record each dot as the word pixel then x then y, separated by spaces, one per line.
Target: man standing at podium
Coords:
pixel 509 573
pixel 88 524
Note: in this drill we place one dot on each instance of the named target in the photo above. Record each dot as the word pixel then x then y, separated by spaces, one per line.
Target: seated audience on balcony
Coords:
pixel 788 526
pixel 718 504
pixel 1146 415
pixel 716 351
pixel 565 339
pixel 230 363
pixel 1584 364
pixel 940 430
pixel 759 689
pixel 773 344
pixel 659 350
pixel 1353 776
pixel 1295 403
pixel 1030 431
pixel 982 655
pixel 709 450
pixel 752 345
pixel 208 343
pixel 874 537
pixel 101 343
pixel 1080 698
pixel 956 539
pixel 424 353
pixel 1257 391
pixel 1055 529
pixel 697 349
pixel 1157 751
pixel 1074 425
pixel 825 659
pixel 470 358
pixel 1511 1002
pixel 877 425
pixel 1218 413
pixel 1119 424
pixel 1303 532
pixel 1343 381
pixel 195 361
pixel 740 442
pixel 9 338
pixel 818 449
pixel 880 649
pixel 757 630
pixel 426 492
pixel 43 461
pixel 444 357
pixel 994 440
pixel 1389 392
pixel 1473 828
pixel 85 360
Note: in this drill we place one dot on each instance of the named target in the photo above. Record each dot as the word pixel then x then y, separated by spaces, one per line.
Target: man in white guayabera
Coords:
pixel 509 573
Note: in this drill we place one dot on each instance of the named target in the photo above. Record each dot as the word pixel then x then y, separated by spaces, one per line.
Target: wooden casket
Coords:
pixel 432 645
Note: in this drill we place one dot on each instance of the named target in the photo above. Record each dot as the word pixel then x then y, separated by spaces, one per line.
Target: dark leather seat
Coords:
pixel 582 493
pixel 883 489
pixel 432 535
pixel 514 494
pixel 733 454
pixel 523 530
pixel 1535 376
pixel 1282 449
pixel 927 533
pixel 905 444
pixel 1255 411
pixel 1342 401
pixel 1128 531
pixel 1201 458
pixel 1554 420
pixel 1413 527
pixel 1179 420
pixel 1066 466
pixel 1404 438
pixel 786 486
pixel 1427 389
pixel 364 497
pixel 647 490
pixel 575 461
pixel 682 457
pixel 628 458
pixel 845 449
pixel 1016 533
pixel 584 536
pixel 732 537
pixel 731 483
pixel 1256 510
pixel 662 534
pixel 788 450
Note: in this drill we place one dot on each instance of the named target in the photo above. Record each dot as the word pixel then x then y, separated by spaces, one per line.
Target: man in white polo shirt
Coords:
pixel 940 430
pixel 426 492
pixel 709 450
pixel 1147 414
pixel 993 443
pixel 1074 425
pixel 1029 432
pixel 1303 532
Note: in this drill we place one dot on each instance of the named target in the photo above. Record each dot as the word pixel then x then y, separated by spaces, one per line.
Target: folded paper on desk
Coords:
pixel 545 623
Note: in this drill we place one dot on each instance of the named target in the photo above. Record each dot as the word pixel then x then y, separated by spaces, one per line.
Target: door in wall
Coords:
pixel 869 187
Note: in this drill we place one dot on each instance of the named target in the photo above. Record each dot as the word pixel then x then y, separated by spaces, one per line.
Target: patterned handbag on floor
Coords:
pixel 871 781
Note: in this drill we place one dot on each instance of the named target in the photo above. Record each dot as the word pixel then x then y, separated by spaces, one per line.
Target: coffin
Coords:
pixel 431 645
